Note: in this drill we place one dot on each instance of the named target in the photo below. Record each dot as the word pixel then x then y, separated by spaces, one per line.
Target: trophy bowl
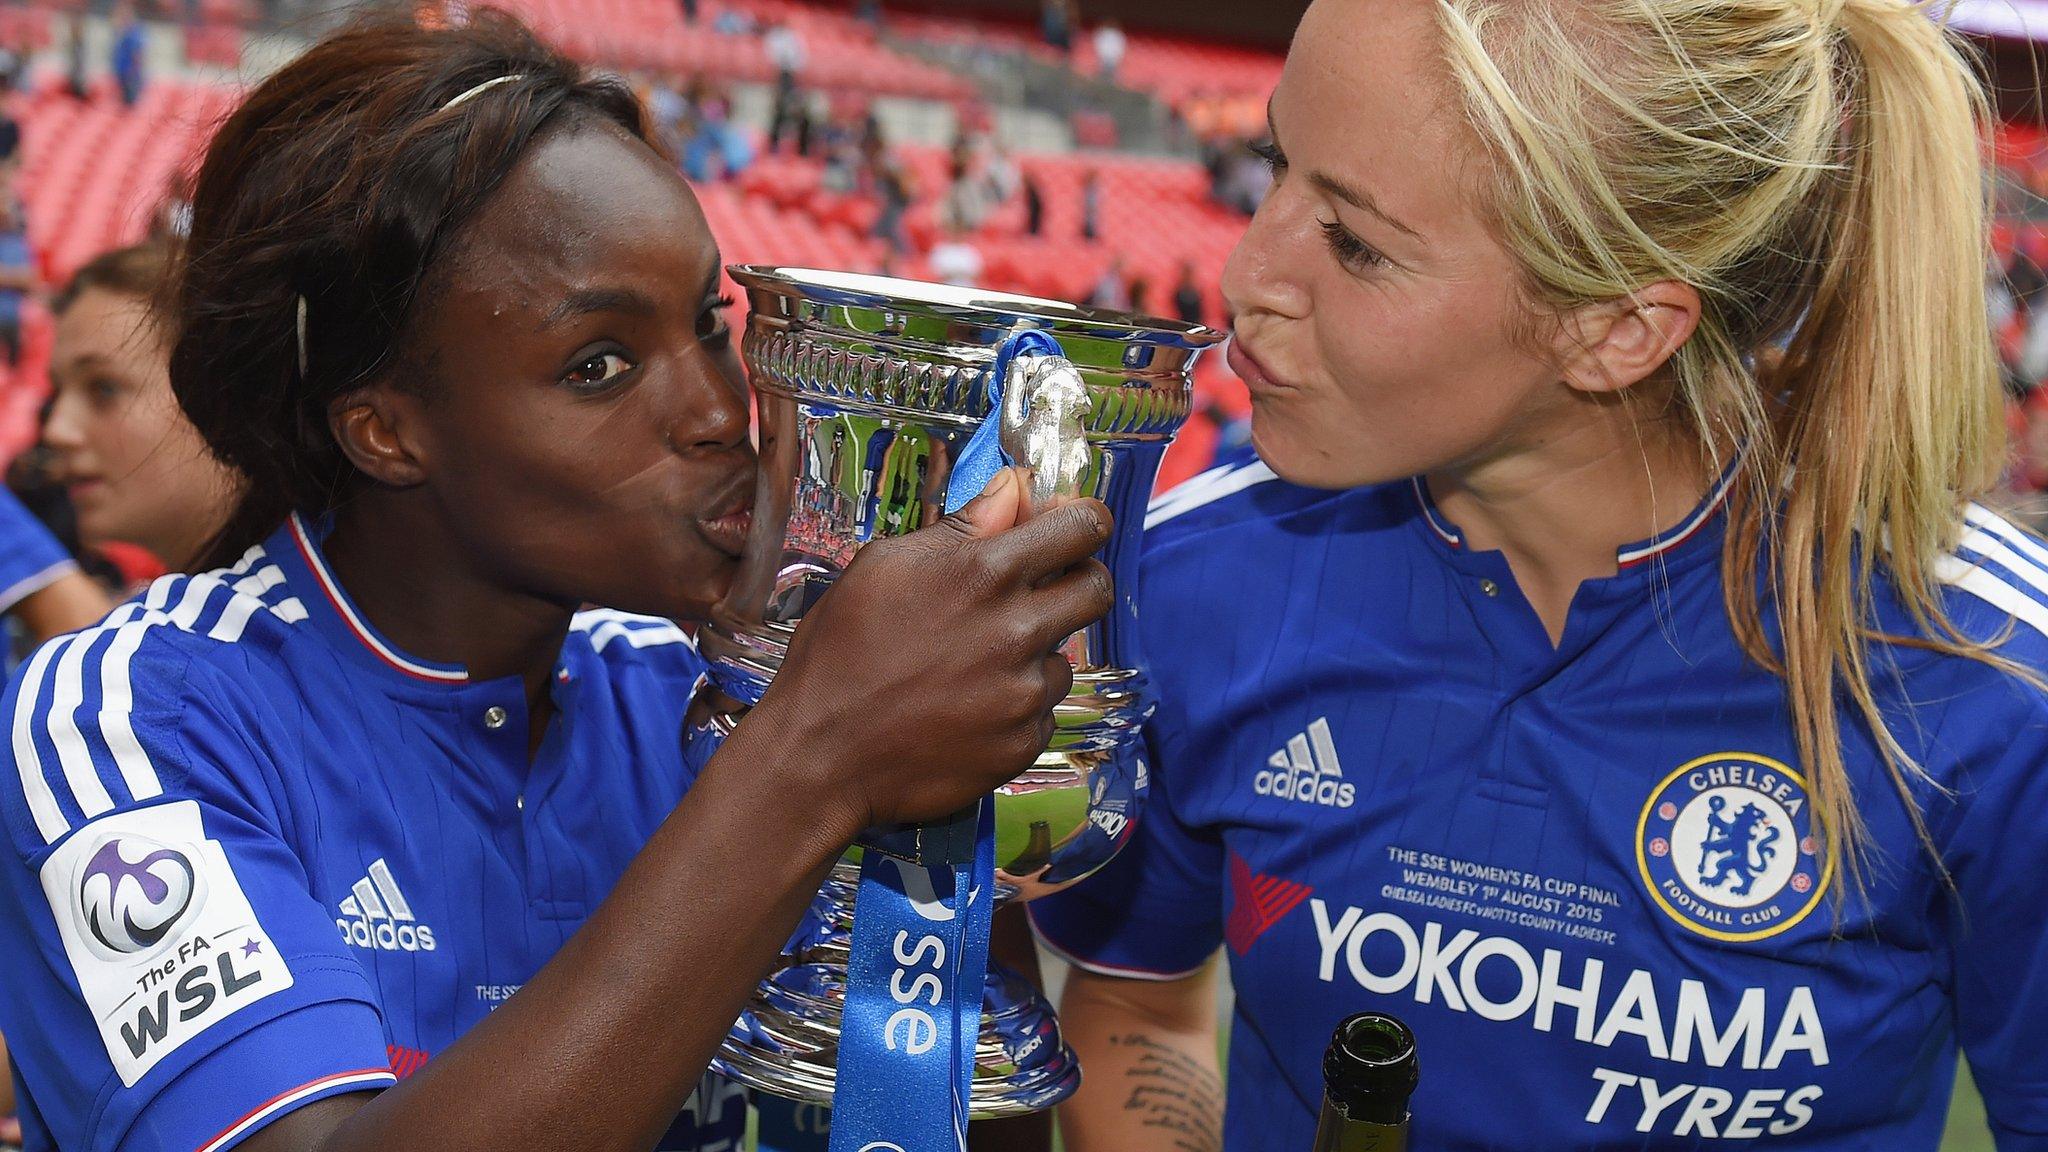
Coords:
pixel 866 389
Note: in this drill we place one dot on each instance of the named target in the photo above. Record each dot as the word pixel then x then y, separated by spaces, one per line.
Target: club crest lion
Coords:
pixel 1725 846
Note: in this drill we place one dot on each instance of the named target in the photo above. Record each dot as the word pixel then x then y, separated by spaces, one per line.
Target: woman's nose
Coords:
pixel 715 413
pixel 1265 270
pixel 65 428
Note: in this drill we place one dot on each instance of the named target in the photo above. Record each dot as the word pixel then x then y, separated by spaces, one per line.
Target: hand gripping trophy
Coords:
pixel 869 391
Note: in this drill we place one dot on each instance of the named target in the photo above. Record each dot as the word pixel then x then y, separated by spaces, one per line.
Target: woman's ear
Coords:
pixel 376 428
pixel 1612 346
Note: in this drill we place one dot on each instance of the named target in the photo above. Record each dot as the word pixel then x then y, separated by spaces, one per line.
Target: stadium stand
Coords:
pixel 843 53
pixel 94 171
pixel 1181 72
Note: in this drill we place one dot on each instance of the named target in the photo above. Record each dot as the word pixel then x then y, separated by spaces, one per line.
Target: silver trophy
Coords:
pixel 867 389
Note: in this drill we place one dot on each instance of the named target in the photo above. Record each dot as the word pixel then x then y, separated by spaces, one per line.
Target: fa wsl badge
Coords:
pixel 1726 847
pixel 158 930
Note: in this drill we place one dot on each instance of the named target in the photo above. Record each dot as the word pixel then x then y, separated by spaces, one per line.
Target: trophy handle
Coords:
pixel 1045 424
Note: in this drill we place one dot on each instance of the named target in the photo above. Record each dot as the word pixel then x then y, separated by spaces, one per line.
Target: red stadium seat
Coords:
pixel 216 44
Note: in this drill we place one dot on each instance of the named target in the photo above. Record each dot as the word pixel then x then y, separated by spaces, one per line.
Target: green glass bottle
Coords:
pixel 1368 1073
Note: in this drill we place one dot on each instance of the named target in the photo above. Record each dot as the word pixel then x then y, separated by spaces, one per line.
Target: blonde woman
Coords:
pixel 1666 745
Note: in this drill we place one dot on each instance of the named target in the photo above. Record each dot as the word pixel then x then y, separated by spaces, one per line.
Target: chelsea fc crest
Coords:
pixel 1726 847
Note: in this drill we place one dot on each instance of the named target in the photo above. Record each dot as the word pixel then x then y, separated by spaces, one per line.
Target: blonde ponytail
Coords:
pixel 1813 168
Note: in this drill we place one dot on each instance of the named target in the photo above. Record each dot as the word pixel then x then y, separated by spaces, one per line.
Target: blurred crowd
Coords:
pixel 2019 318
pixel 981 178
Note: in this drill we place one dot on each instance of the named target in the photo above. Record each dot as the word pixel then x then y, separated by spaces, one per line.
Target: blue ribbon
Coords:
pixel 913 1001
pixel 983 456
pixel 919 953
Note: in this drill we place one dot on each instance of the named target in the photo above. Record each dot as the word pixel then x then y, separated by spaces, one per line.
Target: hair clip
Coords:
pixel 481 89
pixel 302 337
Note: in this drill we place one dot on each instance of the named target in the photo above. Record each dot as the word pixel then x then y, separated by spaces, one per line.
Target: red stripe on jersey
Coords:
pixel 365 1076
pixel 1258 902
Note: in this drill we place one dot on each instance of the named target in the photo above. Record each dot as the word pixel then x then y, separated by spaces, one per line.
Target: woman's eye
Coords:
pixel 712 330
pixel 596 371
pixel 1269 152
pixel 1353 253
pixel 103 392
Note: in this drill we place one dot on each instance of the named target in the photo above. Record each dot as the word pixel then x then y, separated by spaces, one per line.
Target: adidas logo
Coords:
pixel 1307 770
pixel 377 916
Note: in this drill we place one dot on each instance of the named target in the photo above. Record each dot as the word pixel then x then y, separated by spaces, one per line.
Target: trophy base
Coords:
pixel 787 1042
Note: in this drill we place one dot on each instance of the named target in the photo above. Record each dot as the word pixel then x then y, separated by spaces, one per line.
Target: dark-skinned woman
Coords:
pixel 368 839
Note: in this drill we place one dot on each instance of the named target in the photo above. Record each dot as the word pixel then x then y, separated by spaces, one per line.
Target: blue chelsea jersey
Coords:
pixel 1586 874
pixel 259 856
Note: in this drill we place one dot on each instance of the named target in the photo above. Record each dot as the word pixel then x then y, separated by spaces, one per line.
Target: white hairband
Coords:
pixel 460 99
pixel 486 86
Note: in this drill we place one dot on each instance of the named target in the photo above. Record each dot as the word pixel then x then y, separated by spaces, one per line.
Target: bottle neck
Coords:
pixel 1338 1132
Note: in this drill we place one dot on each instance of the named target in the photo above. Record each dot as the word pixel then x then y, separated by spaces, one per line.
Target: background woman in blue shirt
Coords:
pixel 1664 740
pixel 368 838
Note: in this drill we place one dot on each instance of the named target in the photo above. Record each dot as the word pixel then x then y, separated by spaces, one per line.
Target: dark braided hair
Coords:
pixel 338 181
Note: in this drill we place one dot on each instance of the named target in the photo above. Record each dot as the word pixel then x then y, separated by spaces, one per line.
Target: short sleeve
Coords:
pixel 1154 912
pixel 31 558
pixel 172 983
pixel 1997 853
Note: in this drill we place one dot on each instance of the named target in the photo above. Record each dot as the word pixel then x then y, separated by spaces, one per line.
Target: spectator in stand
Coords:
pixel 1034 206
pixel 1140 296
pixel 10 128
pixel 955 260
pixel 870 129
pixel 1091 206
pixel 74 57
pixel 785 48
pixel 715 150
pixel 961 152
pixel 1187 295
pixel 130 41
pixel 136 470
pixel 1055 23
pixel 2024 276
pixel 895 188
pixel 1110 46
pixel 10 141
pixel 13 64
pixel 17 272
pixel 968 196
pixel 791 115
pixel 998 172
pixel 812 113
pixel 1111 291
pixel 663 98
pixel 841 148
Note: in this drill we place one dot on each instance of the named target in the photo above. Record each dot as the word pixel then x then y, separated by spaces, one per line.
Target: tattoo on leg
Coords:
pixel 1174 1092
